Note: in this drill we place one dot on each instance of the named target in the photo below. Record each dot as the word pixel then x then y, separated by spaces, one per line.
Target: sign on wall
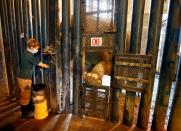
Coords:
pixel 96 41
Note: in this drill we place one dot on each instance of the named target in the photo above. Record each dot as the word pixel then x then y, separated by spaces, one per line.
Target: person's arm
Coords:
pixel 41 64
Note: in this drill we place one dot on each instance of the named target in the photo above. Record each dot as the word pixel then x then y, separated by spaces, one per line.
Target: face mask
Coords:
pixel 34 51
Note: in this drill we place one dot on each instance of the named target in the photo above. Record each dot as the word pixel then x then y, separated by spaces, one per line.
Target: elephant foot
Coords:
pixel 92 79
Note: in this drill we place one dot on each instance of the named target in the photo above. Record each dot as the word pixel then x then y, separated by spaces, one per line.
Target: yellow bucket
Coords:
pixel 41 110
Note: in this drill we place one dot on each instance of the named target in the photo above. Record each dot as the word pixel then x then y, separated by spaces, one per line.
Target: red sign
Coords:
pixel 96 41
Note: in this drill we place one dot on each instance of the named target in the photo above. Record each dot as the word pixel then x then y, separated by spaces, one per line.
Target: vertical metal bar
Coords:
pixel 16 44
pixel 135 44
pixel 152 49
pixel 65 51
pixel 43 23
pixel 52 22
pixel 52 7
pixel 36 32
pixel 98 15
pixel 29 18
pixel 34 19
pixel 13 44
pixel 47 22
pixel 39 22
pixel 44 35
pixel 76 57
pixel 18 27
pixel 40 37
pixel 7 46
pixel 167 74
pixel 25 19
pixel 121 20
pixel 58 59
pixel 136 27
pixel 3 75
pixel 175 115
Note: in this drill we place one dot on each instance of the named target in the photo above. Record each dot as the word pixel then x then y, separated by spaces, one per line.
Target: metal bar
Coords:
pixel 52 7
pixel 39 22
pixel 131 79
pixel 76 57
pixel 7 50
pixel 30 18
pixel 44 35
pixel 44 23
pixel 18 27
pixel 98 13
pixel 47 21
pixel 34 19
pixel 133 64
pixel 40 36
pixel 65 51
pixel 16 44
pixel 13 45
pixel 167 74
pixel 39 71
pixel 152 49
pixel 60 96
pixel 175 115
pixel 135 44
pixel 52 22
pixel 25 19
pixel 3 73
pixel 121 20
pixel 136 27
pixel 35 33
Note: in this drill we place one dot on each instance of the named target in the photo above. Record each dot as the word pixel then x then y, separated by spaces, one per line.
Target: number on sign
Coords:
pixel 96 41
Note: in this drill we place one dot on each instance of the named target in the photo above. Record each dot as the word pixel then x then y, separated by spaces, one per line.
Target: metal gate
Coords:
pixel 98 24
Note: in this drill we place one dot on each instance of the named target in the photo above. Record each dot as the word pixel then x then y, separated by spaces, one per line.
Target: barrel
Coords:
pixel 40 102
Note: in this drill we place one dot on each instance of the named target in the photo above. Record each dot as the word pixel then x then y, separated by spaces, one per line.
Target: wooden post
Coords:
pixel 167 74
pixel 135 44
pixel 152 49
pixel 65 52
pixel 77 71
pixel 121 20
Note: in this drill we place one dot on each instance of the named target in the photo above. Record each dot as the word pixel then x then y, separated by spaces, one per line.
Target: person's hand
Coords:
pixel 41 64
pixel 46 66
